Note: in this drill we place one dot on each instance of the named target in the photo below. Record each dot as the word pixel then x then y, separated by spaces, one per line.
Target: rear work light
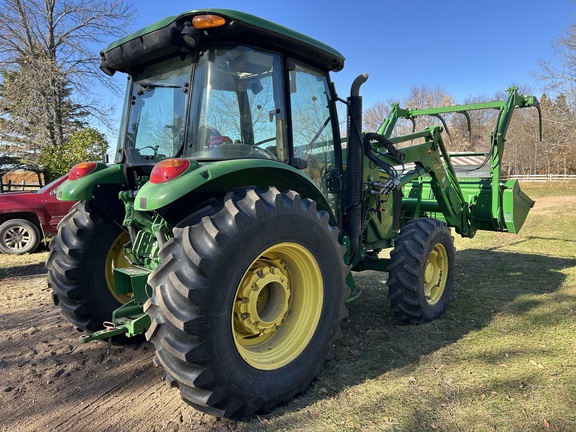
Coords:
pixel 168 169
pixel 82 169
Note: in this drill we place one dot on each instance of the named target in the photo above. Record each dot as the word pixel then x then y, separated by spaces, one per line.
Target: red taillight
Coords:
pixel 168 169
pixel 82 169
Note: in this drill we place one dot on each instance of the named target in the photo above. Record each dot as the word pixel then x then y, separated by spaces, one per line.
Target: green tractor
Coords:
pixel 227 228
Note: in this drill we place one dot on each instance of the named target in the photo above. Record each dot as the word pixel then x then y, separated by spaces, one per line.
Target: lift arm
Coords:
pixel 432 159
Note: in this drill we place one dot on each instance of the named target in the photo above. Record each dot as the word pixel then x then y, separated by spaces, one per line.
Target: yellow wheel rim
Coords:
pixel 277 306
pixel 435 274
pixel 116 259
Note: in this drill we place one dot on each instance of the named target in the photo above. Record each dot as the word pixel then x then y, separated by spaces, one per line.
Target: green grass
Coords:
pixel 502 358
pixel 544 189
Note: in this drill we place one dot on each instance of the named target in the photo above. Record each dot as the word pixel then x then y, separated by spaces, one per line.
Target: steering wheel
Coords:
pixel 264 141
pixel 153 148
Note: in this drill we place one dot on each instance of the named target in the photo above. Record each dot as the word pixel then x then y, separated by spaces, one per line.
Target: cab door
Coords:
pixel 315 131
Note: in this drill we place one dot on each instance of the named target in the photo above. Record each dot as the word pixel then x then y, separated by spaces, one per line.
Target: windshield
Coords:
pixel 236 110
pixel 158 99
pixel 237 106
pixel 49 185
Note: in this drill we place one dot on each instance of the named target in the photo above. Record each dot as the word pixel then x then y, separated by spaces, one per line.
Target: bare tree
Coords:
pixel 558 149
pixel 559 104
pixel 375 115
pixel 49 63
pixel 525 154
pixel 67 33
pixel 473 136
pixel 422 96
pixel 562 76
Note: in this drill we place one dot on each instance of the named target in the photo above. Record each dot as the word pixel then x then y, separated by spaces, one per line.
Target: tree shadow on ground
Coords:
pixel 374 342
pixel 22 270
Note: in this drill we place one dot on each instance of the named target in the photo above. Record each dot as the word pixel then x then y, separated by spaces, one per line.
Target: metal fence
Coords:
pixel 11 186
pixel 544 177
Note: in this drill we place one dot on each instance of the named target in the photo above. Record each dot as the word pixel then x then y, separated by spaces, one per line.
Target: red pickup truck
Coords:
pixel 28 217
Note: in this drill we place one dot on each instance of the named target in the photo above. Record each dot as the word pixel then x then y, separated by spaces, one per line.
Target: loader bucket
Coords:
pixel 515 204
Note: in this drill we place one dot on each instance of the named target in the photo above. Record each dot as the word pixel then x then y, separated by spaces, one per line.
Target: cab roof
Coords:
pixel 162 39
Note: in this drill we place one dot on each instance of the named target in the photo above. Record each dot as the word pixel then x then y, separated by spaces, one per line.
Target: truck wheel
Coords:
pixel 247 302
pixel 421 273
pixel 18 236
pixel 88 246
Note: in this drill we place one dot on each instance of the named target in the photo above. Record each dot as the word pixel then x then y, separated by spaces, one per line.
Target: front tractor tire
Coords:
pixel 88 246
pixel 421 272
pixel 247 302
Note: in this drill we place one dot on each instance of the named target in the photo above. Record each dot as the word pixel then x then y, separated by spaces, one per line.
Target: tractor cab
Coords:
pixel 212 91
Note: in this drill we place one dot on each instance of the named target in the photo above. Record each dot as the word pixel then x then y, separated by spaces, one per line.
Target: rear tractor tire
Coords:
pixel 421 272
pixel 88 246
pixel 247 302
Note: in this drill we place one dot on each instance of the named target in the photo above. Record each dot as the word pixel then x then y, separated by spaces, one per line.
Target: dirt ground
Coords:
pixel 50 382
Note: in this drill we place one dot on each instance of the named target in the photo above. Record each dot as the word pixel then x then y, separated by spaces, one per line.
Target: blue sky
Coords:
pixel 467 48
pixel 464 47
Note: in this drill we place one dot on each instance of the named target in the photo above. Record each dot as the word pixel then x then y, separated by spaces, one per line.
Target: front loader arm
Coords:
pixel 498 140
pixel 445 185
pixel 482 204
pixel 431 158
